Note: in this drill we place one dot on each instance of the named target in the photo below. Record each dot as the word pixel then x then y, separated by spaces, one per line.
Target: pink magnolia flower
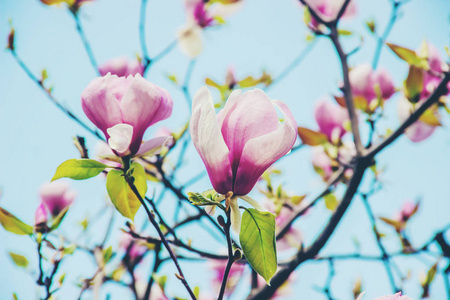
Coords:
pixel 121 67
pixel 218 269
pixel 134 248
pixel 331 118
pixel 56 196
pixel 367 83
pixel 328 10
pixel 419 130
pixel 293 238
pixel 397 296
pixel 431 79
pixel 408 209
pixel 239 143
pixel 322 163
pixel 40 215
pixel 123 108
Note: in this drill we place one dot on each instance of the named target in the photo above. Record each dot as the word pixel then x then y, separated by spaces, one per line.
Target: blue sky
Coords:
pixel 264 35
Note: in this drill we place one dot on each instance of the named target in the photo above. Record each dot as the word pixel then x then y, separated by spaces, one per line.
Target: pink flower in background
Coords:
pixel 134 248
pixel 218 269
pixel 367 83
pixel 239 143
pixel 328 10
pixel 409 208
pixel 322 163
pixel 293 238
pixel 331 118
pixel 419 130
pixel 397 296
pixel 56 196
pixel 121 67
pixel 40 215
pixel 431 79
pixel 123 108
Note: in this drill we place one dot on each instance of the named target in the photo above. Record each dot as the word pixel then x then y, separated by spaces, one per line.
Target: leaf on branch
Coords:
pixel 409 56
pixel 257 238
pixel 121 195
pixel 107 254
pixel 12 224
pixel 413 84
pixel 19 260
pixel 396 224
pixel 311 137
pixel 330 201
pixel 431 117
pixel 371 25
pixel 57 221
pixel 79 169
pixel 344 32
pixel 208 197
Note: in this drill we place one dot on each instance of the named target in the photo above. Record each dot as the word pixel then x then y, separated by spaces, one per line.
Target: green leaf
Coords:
pixel 19 260
pixel 257 239
pixel 107 254
pixel 330 201
pixel 79 169
pixel 409 56
pixel 311 137
pixel 57 221
pixel 344 32
pixel 371 25
pixel 13 224
pixel 15 296
pixel 414 84
pixel 121 194
pixel 208 197
pixel 69 249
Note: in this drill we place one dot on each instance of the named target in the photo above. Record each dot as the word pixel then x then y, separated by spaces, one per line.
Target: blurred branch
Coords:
pixel 86 44
pixel 52 98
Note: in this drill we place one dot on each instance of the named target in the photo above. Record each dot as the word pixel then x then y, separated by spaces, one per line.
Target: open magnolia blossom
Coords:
pixel 239 143
pixel 123 108
pixel 56 196
pixel 121 67
pixel 331 119
pixel 371 84
pixel 202 14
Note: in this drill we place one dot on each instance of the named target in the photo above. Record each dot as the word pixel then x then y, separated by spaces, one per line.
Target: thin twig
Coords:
pixel 86 44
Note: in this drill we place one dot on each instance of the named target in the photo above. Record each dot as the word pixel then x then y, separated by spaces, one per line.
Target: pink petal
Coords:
pixel 384 80
pixel 250 116
pixel 154 146
pixel 100 105
pixel 261 152
pixel 209 142
pixel 56 196
pixel 329 117
pixel 143 105
pixel 418 131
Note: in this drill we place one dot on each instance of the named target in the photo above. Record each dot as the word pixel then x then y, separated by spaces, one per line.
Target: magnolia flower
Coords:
pixel 121 67
pixel 331 119
pixel 397 296
pixel 56 196
pixel 328 10
pixel 123 108
pixel 322 163
pixel 370 84
pixel 218 270
pixel 134 249
pixel 202 14
pixel 419 130
pixel 40 215
pixel 293 238
pixel 408 209
pixel 239 143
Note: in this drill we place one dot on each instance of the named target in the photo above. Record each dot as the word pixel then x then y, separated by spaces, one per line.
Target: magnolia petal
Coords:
pixel 120 138
pixel 253 203
pixel 190 40
pixel 235 214
pixel 100 105
pixel 209 142
pixel 142 105
pixel 154 146
pixel 261 152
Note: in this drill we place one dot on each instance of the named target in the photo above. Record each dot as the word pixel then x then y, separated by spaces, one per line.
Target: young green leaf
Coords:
pixel 414 84
pixel 257 239
pixel 19 260
pixel 409 56
pixel 13 224
pixel 330 201
pixel 79 169
pixel 311 137
pixel 121 194
pixel 57 221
